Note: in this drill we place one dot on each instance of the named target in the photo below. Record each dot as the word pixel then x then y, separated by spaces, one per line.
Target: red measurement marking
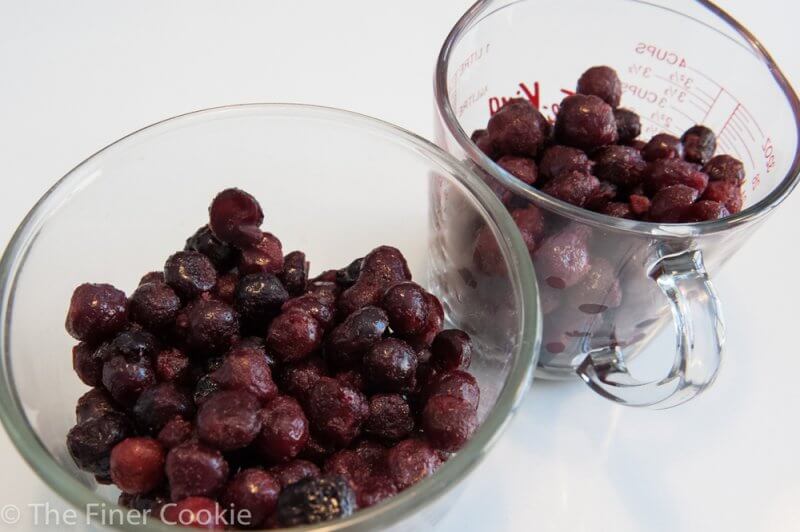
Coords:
pixel 728 121
pixel 689 118
pixel 752 120
pixel 660 54
pixel 742 124
pixel 735 130
pixel 497 102
pixel 769 154
pixel 756 181
pixel 721 90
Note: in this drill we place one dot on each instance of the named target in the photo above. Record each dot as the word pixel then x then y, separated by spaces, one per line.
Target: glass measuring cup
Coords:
pixel 681 63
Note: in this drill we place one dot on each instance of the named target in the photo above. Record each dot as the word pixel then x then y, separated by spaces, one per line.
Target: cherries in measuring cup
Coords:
pixel 593 289
pixel 591 157
pixel 233 391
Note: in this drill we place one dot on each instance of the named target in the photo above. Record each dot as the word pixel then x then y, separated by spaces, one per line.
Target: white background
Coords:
pixel 77 75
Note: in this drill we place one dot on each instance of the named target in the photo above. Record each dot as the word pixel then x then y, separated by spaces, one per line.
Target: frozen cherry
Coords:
pixel 312 305
pixel 563 259
pixel 456 383
pixel 348 465
pixel 194 469
pixel 229 420
pixel 639 205
pixel 258 299
pixel 315 500
pixel 235 217
pixel 299 379
pixel 225 289
pixel 621 165
pixel 574 187
pixel 246 369
pixel 482 139
pixel 90 443
pixel 433 326
pixel 137 465
pixel 265 255
pixel 194 512
pixel 350 339
pixel 518 129
pixel 406 307
pixel 699 144
pixel 382 267
pixel 134 344
pixel 221 255
pixel 87 361
pixel 336 411
pixel 252 495
pixel 294 471
pixel 728 192
pixel 149 503
pixel 391 364
pixel 389 417
pixel 213 326
pixel 294 335
pixel 705 210
pixel 172 365
pixel 176 431
pixel 668 172
pixel 159 404
pixel 628 125
pixel 530 222
pixel 410 461
pixel 352 378
pixel 599 290
pixel 347 276
pixel 96 312
pixel 603 82
pixel 154 306
pixel 93 404
pixel 284 430
pixel 451 349
pixel 662 146
pixel 725 167
pixel 326 291
pixel 448 422
pixel 487 255
pixel 190 273
pixel 125 378
pixel 585 122
pixel 295 273
pixel 152 277
pixel 375 489
pixel 558 160
pixel 204 388
pixel 602 195
pixel 522 168
pixel 617 210
pixel 671 204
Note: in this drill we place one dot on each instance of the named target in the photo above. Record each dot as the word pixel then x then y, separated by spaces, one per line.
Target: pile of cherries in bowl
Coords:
pixel 232 391
pixel 591 157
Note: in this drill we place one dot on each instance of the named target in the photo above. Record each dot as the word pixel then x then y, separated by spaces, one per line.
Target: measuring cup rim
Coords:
pixel 479 10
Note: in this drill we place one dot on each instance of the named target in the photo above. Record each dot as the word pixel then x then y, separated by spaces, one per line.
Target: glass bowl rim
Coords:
pixel 391 511
pixel 757 211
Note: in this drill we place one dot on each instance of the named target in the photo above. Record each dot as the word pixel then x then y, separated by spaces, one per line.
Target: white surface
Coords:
pixel 77 75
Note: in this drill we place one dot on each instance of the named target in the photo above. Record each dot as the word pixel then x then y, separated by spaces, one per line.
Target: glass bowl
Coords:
pixel 675 61
pixel 332 183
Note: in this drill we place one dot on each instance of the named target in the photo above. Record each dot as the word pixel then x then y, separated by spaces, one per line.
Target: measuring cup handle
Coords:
pixel 700 335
